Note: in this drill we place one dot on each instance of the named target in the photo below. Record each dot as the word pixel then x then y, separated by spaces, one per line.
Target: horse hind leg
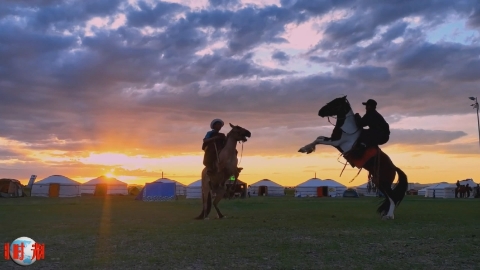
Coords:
pixel 387 208
pixel 391 210
pixel 206 202
pixel 220 194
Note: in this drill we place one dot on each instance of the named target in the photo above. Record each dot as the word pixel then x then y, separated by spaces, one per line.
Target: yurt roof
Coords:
pixel 57 179
pixel 314 182
pixel 105 180
pixel 469 182
pixel 363 185
pixel 332 183
pixel 166 180
pixel 197 183
pixel 266 182
pixel 441 185
pixel 10 180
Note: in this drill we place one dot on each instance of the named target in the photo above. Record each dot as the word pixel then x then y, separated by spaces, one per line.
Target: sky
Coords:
pixel 129 88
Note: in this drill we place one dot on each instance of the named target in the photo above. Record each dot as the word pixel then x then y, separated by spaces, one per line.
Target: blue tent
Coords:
pixel 350 193
pixel 157 191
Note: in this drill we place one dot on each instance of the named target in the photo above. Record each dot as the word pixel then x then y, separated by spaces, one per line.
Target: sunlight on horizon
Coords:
pixel 421 167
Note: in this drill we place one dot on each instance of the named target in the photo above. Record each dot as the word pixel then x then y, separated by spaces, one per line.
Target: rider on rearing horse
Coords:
pixel 378 132
pixel 213 143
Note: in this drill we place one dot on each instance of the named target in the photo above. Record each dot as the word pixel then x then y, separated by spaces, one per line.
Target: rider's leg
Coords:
pixel 209 160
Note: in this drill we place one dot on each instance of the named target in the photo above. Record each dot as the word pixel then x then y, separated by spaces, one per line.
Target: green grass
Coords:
pixel 259 233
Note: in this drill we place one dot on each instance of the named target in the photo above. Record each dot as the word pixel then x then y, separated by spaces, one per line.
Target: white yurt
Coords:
pixel 335 189
pixel 319 188
pixel 449 192
pixel 441 190
pixel 194 190
pixel 104 186
pixel 422 192
pixel 56 186
pixel 266 187
pixel 179 187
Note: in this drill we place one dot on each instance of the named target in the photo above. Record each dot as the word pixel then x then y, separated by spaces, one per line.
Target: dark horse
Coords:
pixel 379 165
pixel 463 190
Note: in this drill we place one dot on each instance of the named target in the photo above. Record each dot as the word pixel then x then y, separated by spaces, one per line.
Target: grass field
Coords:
pixel 259 233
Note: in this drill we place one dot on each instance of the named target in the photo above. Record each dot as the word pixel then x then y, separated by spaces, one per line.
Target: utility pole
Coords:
pixel 475 106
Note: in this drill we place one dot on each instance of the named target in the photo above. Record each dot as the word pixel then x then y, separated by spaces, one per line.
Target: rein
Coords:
pixel 345 165
pixel 336 118
pixel 241 154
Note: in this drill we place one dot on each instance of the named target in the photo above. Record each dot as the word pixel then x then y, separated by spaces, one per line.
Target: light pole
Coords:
pixel 475 106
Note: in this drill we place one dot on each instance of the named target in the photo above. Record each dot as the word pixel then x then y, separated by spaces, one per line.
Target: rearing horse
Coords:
pixel 226 167
pixel 344 137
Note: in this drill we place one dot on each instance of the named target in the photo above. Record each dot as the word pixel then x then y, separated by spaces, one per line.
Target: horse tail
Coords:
pixel 401 187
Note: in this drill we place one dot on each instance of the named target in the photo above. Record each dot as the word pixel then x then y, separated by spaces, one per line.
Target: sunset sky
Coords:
pixel 129 88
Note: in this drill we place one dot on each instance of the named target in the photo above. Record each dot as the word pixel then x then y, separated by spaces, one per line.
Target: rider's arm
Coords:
pixel 208 137
pixel 365 121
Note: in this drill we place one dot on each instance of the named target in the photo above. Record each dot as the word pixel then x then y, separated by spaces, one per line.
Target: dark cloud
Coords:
pixel 474 18
pixel 366 73
pixel 423 137
pixel 67 14
pixel 370 15
pixel 281 57
pixel 223 3
pixel 249 26
pixel 155 16
pixel 395 31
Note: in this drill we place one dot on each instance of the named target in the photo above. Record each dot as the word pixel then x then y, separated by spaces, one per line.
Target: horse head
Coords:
pixel 239 133
pixel 336 107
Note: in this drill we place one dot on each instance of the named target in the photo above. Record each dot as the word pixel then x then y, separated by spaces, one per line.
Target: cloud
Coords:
pixel 280 57
pixel 154 16
pixel 72 83
pixel 423 137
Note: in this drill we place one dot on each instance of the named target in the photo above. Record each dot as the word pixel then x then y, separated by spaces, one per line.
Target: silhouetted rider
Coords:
pixel 378 131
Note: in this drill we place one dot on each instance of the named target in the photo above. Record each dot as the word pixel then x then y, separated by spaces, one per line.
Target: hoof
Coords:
pixel 303 150
pixel 222 217
pixel 387 217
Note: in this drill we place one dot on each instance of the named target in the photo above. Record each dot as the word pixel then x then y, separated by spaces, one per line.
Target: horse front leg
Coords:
pixel 309 148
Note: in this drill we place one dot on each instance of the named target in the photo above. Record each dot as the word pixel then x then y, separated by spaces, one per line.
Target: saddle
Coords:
pixel 357 159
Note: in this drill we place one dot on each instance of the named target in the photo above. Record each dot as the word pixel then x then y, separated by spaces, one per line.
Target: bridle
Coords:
pixel 338 108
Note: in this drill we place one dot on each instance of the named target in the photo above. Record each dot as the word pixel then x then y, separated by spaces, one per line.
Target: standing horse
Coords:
pixel 464 191
pixel 226 167
pixel 379 165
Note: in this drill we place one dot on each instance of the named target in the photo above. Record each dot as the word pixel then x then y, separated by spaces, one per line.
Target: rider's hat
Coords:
pixel 215 121
pixel 370 102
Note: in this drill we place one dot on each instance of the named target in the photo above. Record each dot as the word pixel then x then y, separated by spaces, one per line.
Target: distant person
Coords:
pixel 378 132
pixel 477 195
pixel 248 194
pixel 457 189
pixel 434 193
pixel 468 189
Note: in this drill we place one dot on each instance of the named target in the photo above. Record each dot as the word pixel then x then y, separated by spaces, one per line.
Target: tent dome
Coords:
pixel 56 186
